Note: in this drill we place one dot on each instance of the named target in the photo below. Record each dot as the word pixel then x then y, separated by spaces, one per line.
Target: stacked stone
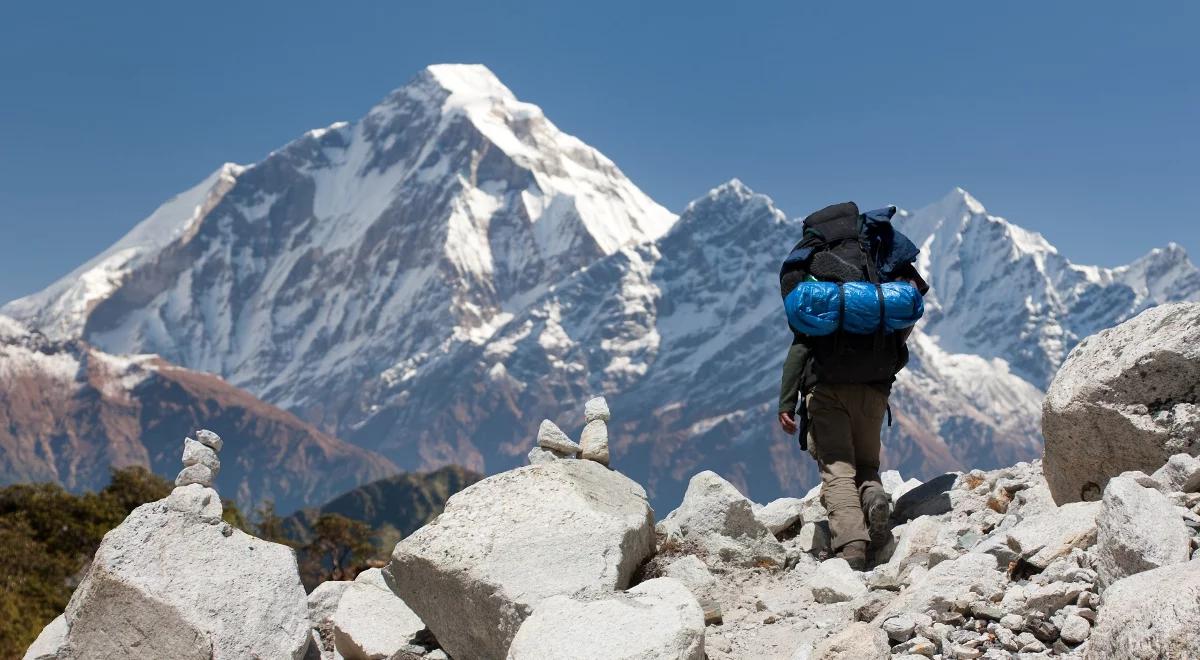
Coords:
pixel 553 444
pixel 200 462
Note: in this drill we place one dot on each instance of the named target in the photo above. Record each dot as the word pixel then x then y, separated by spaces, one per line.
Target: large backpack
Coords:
pixel 841 245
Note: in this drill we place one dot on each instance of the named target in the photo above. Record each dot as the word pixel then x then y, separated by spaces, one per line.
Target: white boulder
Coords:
pixel 1041 538
pixel 1181 473
pixel 1150 615
pixel 835 582
pixel 939 588
pixel 539 455
pixel 691 572
pixel 505 543
pixel 1123 400
pixel 780 514
pixel 371 622
pixel 721 521
pixel 1139 529
pixel 658 619
pixel 169 582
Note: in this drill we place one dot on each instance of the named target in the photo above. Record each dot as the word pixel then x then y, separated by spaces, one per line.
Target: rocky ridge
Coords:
pixel 563 557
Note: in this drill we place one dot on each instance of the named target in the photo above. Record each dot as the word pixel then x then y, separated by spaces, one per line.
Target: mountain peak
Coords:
pixel 467 79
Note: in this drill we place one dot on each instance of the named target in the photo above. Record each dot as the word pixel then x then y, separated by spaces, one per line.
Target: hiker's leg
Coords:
pixel 833 443
pixel 870 405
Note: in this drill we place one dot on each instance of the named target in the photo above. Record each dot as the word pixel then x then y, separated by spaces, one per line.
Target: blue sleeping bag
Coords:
pixel 812 307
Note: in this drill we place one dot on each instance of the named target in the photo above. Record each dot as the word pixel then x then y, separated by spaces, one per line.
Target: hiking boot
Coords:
pixel 855 554
pixel 877 505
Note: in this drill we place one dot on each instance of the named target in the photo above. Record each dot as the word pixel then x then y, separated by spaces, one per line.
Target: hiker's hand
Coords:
pixel 787 422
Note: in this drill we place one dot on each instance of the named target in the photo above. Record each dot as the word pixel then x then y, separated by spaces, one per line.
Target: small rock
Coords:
pixel 371 622
pixel 868 606
pixel 210 439
pixel 194 498
pixel 551 437
pixel 196 474
pixel 814 537
pixel 835 582
pixel 196 453
pixel 539 455
pixel 596 408
pixel 594 442
pixel 692 572
pixel 1075 629
pixel 1014 622
pixel 857 641
pixel 899 628
pixel 1181 473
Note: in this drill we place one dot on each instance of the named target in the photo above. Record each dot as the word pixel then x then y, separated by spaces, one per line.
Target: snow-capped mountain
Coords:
pixel 69 412
pixel 431 281
pixel 359 250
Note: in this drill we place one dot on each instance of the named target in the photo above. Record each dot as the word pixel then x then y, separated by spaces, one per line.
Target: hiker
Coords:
pixel 852 295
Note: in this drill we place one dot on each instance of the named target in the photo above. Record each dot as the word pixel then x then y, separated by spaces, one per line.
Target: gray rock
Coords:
pixel 931 498
pixel 551 437
pixel 195 499
pixel 594 442
pixel 596 408
pixel 835 582
pixel 938 589
pixel 857 641
pixel 916 539
pixel 210 439
pixel 1075 629
pixel 691 572
pixel 539 455
pixel 196 474
pixel 323 601
pixel 1123 400
pixel 1048 599
pixel 1139 529
pixel 657 619
pixel 505 543
pixel 198 453
pixel 1181 473
pixel 170 583
pixel 1042 538
pixel 721 521
pixel 371 622
pixel 50 642
pixel 814 537
pixel 1150 615
pixel 900 628
pixel 780 514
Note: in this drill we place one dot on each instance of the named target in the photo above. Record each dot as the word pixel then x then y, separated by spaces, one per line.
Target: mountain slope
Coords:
pixel 69 411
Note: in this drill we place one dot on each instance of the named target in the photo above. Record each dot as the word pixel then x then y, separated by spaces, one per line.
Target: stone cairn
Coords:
pixel 553 444
pixel 200 462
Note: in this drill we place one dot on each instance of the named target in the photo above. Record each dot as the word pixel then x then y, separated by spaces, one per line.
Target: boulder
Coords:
pixel 942 585
pixel 916 539
pixel 1181 473
pixel 551 437
pixel 593 442
pixel 1125 399
pixel 814 538
pixel 780 514
pixel 857 641
pixel 50 642
pixel 895 485
pixel 720 520
pixel 505 543
pixel 1150 615
pixel 1138 529
pixel 371 622
pixel 596 408
pixel 657 619
pixel 322 604
pixel 835 582
pixel 172 582
pixel 931 498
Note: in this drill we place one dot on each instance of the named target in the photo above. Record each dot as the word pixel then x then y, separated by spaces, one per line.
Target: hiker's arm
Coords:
pixel 793 374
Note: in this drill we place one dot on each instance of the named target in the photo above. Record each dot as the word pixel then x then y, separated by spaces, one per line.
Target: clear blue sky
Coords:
pixel 1075 119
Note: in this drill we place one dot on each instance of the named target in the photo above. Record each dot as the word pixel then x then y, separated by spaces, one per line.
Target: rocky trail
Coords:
pixel 1089 553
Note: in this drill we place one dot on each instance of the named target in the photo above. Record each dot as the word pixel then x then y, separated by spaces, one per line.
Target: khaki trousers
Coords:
pixel 843 435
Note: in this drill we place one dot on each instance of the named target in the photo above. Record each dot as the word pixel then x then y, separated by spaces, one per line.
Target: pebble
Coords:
pixel 210 439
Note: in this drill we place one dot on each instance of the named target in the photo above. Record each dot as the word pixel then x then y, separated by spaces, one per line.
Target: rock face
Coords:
pixel 371 622
pixel 1150 615
pixel 567 527
pixel 1125 399
pixel 174 581
pixel 721 521
pixel 1139 530
pixel 658 619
